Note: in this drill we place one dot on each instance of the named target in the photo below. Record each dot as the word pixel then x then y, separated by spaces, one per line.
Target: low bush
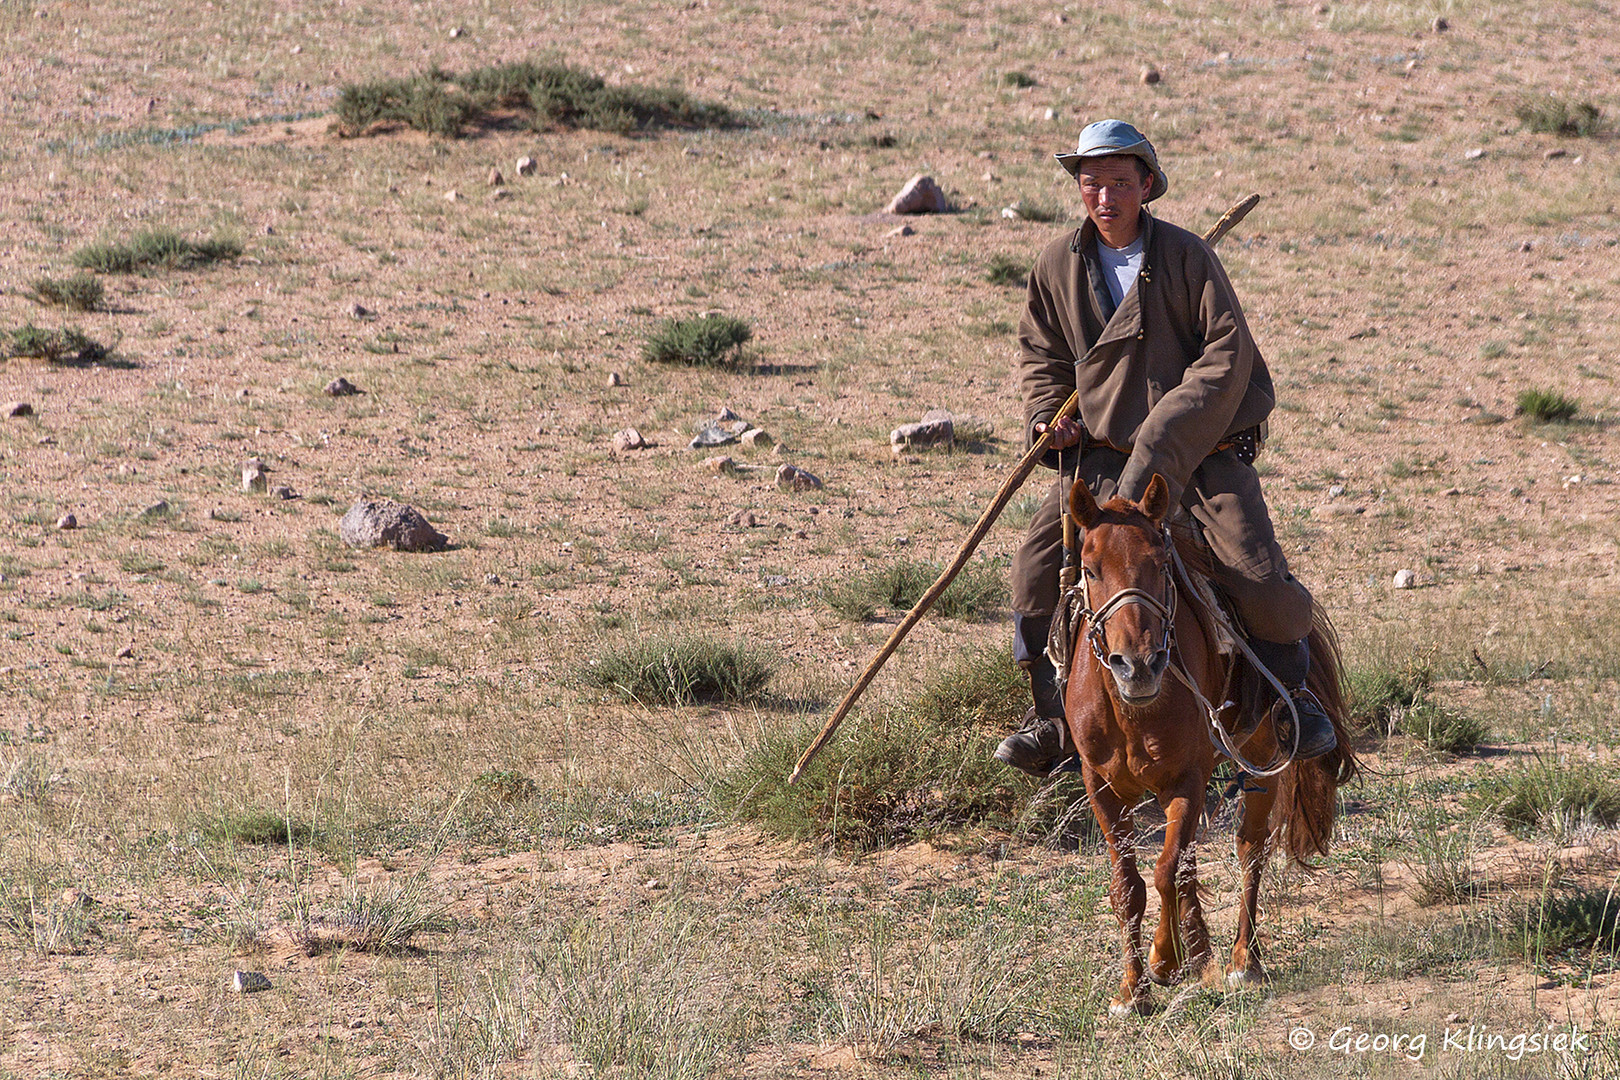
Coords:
pixel 257 827
pixel 1548 114
pixel 977 589
pixel 66 346
pixel 1443 729
pixel 1546 406
pixel 1004 270
pixel 155 249
pixel 897 773
pixel 715 341
pixel 1377 696
pixel 679 669
pixel 422 102
pixel 1583 920
pixel 81 292
pixel 1551 796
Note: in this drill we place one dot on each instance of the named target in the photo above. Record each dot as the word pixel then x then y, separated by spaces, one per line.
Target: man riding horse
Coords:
pixel 1139 317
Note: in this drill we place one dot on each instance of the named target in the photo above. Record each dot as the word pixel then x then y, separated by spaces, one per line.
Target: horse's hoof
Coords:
pixel 1119 1011
pixel 1158 979
pixel 1238 978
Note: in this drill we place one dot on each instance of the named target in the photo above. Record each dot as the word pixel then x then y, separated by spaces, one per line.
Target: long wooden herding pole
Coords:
pixel 1026 465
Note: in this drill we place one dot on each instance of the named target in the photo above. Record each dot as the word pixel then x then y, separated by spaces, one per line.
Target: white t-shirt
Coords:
pixel 1120 266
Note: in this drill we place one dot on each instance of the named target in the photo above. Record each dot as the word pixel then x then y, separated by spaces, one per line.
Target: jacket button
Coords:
pixel 1140 334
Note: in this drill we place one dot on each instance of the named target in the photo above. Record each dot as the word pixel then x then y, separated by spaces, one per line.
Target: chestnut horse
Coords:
pixel 1138 732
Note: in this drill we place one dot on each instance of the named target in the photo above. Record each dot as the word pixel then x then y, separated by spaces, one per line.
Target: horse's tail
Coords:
pixel 1307 797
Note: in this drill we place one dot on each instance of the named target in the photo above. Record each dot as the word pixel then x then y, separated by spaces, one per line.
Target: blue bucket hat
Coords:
pixel 1108 138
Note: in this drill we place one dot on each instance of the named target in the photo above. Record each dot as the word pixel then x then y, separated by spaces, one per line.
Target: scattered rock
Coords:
pixel 720 465
pixel 718 433
pixel 777 581
pixel 45 440
pixel 125 653
pixel 756 439
pixel 15 409
pixel 67 521
pixel 628 439
pixel 360 311
pixel 249 982
pixel 284 492
pixel 1335 491
pixel 526 166
pixel 492 579
pixel 243 393
pixel 255 476
pixel 1440 25
pixel 452 195
pixel 500 193
pixel 75 897
pixel 341 387
pixel 725 412
pixel 385 523
pixel 495 178
pixel 1475 154
pixel 455 32
pixel 1554 153
pixel 1342 509
pixel 1528 245
pixel 743 518
pixel 937 428
pixel 920 196
pixel 1150 75
pixel 1051 114
pixel 901 230
pixel 793 478
pixel 156 509
pixel 1405 579
pixel 615 379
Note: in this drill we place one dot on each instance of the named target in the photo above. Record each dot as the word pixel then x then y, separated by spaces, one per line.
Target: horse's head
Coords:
pixel 1127 583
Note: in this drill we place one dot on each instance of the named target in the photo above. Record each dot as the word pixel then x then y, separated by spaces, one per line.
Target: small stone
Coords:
pixel 725 415
pixel 937 428
pixel 1150 75
pixel 255 476
pixel 1477 569
pixel 801 535
pixel 793 478
pixel 526 166
pixel 249 982
pixel 716 433
pixel 1015 212
pixel 1528 245
pixel 499 193
pixel 452 195
pixel 1453 491
pixel 615 379
pixel 902 541
pixel 341 387
pixel 1405 579
pixel 628 439
pixel 157 509
pixel 455 32
pixel 1051 114
pixel 495 178
pixel 756 439
pixel 243 393
pixel 720 465
pixel 16 409
pixel 1555 153
pixel 492 579
pixel 125 653
pixel 920 195
pixel 75 897
pixel 66 522
pixel 743 518
pixel 45 440
pixel 360 312
pixel 1440 25
pixel 284 492
pixel 1335 491
pixel 901 230
pixel 1475 154
pixel 385 523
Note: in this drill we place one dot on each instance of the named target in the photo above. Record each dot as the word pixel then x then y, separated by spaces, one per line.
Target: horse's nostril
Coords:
pixel 1160 661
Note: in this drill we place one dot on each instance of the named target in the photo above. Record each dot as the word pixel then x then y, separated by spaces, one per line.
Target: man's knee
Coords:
pixel 1277 610
pixel 1038 560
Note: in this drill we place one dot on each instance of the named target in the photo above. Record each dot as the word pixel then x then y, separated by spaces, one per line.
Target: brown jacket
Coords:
pixel 1170 375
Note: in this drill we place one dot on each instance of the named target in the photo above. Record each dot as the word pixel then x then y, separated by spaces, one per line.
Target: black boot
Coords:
pixel 1291 663
pixel 1041 743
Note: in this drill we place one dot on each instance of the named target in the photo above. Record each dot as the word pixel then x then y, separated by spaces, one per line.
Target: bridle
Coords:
pixel 1098 619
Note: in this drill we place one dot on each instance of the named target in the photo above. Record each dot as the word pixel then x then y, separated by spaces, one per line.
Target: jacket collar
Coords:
pixel 1126 320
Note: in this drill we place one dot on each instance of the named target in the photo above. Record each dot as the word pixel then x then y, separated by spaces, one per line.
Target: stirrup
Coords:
pixel 1316 734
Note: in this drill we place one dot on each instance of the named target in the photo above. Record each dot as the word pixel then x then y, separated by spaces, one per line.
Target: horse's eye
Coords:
pixel 1087 571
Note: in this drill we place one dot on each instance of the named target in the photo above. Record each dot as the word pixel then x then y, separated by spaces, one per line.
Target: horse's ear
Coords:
pixel 1083 505
pixel 1156 503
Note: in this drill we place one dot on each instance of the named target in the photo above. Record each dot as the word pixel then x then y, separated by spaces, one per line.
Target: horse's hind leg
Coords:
pixel 1181 944
pixel 1128 891
pixel 1254 852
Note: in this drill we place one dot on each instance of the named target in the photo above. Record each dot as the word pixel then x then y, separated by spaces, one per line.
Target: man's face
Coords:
pixel 1113 189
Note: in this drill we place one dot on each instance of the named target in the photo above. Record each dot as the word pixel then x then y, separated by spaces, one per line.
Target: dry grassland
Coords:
pixel 497 868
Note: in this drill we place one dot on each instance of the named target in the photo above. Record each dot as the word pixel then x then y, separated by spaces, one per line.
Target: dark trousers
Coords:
pixel 1224 496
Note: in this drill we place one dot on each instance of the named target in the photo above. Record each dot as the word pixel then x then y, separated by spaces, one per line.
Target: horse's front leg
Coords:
pixel 1254 852
pixel 1181 945
pixel 1128 891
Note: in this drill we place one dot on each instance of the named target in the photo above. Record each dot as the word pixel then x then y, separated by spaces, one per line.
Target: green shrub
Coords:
pixel 1554 796
pixel 1004 270
pixel 679 669
pixel 1022 80
pixel 1036 210
pixel 1578 921
pixel 977 589
pixel 257 827
pixel 1549 114
pixel 66 346
pixel 1446 730
pixel 1546 406
pixel 1377 695
pixel 81 292
pixel 897 773
pixel 155 248
pixel 715 341
pixel 554 95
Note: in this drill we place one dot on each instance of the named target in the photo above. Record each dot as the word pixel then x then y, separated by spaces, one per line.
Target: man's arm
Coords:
pixel 1192 417
pixel 1045 364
